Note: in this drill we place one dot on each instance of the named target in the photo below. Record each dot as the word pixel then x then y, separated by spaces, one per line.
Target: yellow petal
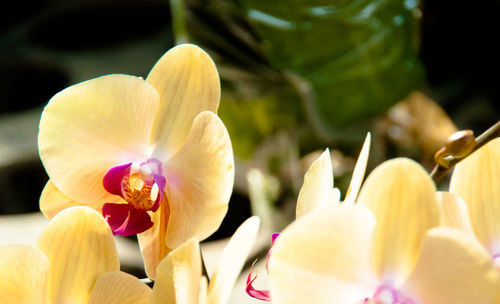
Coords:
pixel 231 261
pixel 92 126
pixel 359 172
pixel 23 275
pixel 80 248
pixel 476 179
pixel 118 287
pixel 52 201
pixel 317 189
pixel 188 83
pixel 178 276
pixel 202 298
pixel 454 212
pixel 199 183
pixel 153 242
pixel 453 268
pixel 323 257
pixel 402 198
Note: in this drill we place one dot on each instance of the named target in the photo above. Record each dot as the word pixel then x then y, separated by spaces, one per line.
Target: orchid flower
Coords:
pixel 180 279
pixel 151 155
pixel 386 249
pixel 74 261
pixel 475 183
pixel 317 189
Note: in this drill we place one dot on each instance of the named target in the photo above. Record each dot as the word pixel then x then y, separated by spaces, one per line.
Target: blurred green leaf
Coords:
pixel 250 121
pixel 360 57
pixel 305 64
pixel 257 100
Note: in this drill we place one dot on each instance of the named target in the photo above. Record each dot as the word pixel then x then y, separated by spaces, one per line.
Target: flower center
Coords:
pixel 387 294
pixel 141 186
pixel 496 260
pixel 138 193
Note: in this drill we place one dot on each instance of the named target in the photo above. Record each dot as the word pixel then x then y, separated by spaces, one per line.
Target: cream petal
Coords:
pixel 23 275
pixel 117 287
pixel 92 126
pixel 476 179
pixel 153 242
pixel 80 248
pixel 203 297
pixel 52 201
pixel 199 184
pixel 178 276
pixel 359 172
pixel 323 257
pixel 453 268
pixel 317 189
pixel 231 261
pixel 188 83
pixel 454 212
pixel 199 181
pixel 402 197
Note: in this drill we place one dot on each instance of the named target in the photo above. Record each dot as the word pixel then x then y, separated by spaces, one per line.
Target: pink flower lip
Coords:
pixel 124 220
pixel 142 188
pixel 263 295
pixel 112 180
pixel 388 294
pixel 496 260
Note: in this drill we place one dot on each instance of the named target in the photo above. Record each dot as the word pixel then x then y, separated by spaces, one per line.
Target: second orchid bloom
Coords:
pixel 387 248
pixel 150 155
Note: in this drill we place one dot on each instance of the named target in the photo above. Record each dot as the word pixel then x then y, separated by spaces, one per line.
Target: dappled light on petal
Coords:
pixel 80 248
pixel 476 179
pixel 402 197
pixel 23 275
pixel 82 132
pixel 188 83
pixel 322 257
pixel 454 269
pixel 117 287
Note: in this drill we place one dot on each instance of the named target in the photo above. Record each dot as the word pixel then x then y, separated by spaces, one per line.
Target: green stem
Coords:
pixel 179 21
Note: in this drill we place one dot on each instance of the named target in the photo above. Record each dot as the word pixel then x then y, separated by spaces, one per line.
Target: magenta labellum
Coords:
pixel 142 188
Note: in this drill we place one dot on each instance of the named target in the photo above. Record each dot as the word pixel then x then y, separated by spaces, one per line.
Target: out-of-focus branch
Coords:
pixel 459 146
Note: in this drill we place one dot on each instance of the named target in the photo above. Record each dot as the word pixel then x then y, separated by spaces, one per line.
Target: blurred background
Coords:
pixel 297 76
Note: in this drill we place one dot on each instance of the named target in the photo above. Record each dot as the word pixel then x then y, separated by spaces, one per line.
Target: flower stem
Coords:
pixel 440 171
pixel 179 21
